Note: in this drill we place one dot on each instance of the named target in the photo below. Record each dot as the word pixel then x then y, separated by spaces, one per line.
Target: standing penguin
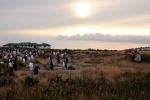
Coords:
pixel 10 67
pixel 36 70
pixel 65 61
pixel 51 66
pixel 58 58
pixel 31 67
pixel 15 63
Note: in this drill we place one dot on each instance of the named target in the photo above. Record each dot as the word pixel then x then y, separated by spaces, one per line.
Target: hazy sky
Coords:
pixel 36 18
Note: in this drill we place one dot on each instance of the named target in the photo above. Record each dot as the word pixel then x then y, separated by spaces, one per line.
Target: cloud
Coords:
pixel 108 38
pixel 38 20
pixel 28 14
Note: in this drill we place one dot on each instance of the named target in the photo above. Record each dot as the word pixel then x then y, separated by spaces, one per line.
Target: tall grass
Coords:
pixel 127 86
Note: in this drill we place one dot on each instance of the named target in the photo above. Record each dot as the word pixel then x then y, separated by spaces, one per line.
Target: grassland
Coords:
pixel 98 75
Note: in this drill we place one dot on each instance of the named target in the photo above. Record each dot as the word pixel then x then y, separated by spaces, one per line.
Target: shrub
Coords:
pixel 3 70
pixel 146 58
pixel 5 81
pixel 30 81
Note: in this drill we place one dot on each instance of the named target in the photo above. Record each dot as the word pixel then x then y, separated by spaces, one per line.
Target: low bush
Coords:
pixel 30 81
pixel 4 81
pixel 3 70
pixel 146 58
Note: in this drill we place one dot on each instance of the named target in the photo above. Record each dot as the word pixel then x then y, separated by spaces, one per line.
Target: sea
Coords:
pixel 84 44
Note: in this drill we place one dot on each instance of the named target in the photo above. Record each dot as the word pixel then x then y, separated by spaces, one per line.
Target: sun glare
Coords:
pixel 82 9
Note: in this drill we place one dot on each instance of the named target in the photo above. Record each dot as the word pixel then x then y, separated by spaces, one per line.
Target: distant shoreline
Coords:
pixel 82 44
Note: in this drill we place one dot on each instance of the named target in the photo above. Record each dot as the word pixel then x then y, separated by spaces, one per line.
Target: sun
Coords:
pixel 82 9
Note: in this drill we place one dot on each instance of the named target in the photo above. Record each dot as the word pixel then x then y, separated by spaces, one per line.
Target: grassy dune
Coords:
pixel 107 75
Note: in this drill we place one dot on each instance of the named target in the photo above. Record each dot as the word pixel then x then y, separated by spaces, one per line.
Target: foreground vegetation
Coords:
pixel 108 75
pixel 127 86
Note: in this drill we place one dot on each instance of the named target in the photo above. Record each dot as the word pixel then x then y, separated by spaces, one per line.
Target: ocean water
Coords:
pixel 82 44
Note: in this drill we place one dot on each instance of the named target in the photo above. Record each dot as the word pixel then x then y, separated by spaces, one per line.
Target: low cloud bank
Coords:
pixel 108 38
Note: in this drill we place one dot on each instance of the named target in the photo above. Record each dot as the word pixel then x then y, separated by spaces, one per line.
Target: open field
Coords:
pixel 97 75
pixel 74 49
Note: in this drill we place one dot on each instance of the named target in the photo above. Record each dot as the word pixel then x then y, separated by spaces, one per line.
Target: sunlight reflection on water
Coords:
pixel 81 44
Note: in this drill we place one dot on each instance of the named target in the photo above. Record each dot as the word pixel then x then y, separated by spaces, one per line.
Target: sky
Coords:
pixel 33 19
